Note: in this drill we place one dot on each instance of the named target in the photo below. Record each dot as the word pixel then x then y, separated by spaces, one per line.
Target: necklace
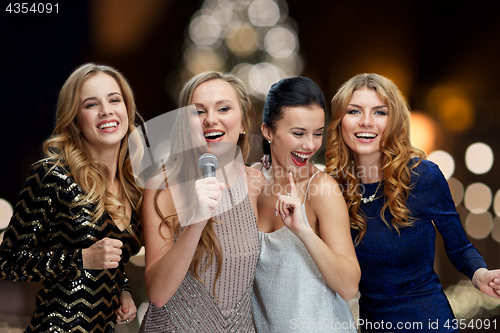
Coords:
pixel 371 197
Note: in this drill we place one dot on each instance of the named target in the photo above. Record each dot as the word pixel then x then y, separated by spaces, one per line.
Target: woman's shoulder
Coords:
pixel 320 177
pixel 255 177
pixel 422 166
pixel 322 185
pixel 50 166
pixel 425 171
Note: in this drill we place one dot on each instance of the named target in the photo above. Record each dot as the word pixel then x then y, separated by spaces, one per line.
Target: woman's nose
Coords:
pixel 210 119
pixel 366 120
pixel 105 110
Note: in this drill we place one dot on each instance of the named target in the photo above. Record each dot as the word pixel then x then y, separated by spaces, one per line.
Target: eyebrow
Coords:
pixel 376 107
pixel 303 129
pixel 222 101
pixel 93 98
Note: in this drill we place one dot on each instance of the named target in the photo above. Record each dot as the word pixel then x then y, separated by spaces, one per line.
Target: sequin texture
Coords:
pixel 43 243
pixel 193 307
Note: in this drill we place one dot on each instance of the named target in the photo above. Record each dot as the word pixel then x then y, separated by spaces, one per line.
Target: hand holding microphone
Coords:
pixel 208 190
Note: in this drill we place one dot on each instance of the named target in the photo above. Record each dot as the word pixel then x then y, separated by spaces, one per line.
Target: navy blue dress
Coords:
pixel 400 291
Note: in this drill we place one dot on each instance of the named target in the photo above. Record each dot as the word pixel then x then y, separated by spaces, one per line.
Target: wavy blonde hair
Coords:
pixel 67 148
pixel 395 145
pixel 183 167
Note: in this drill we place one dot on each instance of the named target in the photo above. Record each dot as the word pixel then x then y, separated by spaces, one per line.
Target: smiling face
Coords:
pixel 297 136
pixel 364 124
pixel 102 116
pixel 219 112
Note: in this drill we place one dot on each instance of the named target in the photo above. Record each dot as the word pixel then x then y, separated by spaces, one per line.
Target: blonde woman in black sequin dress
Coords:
pixel 200 271
pixel 75 225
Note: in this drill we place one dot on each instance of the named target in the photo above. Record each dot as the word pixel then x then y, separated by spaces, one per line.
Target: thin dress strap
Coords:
pixel 308 184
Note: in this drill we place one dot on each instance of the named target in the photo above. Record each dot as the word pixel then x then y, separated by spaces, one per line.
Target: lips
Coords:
pixel 300 158
pixel 366 136
pixel 108 125
pixel 214 135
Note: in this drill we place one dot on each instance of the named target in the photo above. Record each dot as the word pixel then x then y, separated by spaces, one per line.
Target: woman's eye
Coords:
pixel 381 113
pixel 115 101
pixel 352 111
pixel 224 109
pixel 91 105
pixel 198 112
pixel 298 133
pixel 318 134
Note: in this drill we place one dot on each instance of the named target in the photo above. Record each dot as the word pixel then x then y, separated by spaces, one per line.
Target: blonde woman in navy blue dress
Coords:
pixel 396 200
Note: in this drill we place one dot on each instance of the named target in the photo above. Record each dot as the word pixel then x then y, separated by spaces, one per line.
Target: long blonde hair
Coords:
pixel 395 145
pixel 208 243
pixel 67 148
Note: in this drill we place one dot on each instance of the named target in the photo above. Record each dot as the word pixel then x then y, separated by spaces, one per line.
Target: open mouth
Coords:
pixel 108 126
pixel 365 135
pixel 214 135
pixel 299 158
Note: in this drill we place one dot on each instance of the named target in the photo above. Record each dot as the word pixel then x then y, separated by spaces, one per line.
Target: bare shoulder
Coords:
pixel 324 179
pixel 325 190
pixel 255 176
pixel 256 165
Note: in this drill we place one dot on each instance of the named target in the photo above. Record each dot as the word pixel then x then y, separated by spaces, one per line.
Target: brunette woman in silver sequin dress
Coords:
pixel 200 269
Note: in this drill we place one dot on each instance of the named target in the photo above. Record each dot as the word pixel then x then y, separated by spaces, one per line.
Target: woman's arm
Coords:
pixel 21 256
pixel 460 251
pixel 167 262
pixel 333 250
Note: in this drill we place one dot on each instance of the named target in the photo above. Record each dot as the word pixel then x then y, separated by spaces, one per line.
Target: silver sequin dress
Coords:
pixel 193 308
pixel 290 294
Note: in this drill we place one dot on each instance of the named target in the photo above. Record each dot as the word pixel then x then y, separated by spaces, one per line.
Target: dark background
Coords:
pixel 418 44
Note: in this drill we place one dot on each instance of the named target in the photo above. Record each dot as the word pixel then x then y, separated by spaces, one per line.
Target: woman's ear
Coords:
pixel 266 132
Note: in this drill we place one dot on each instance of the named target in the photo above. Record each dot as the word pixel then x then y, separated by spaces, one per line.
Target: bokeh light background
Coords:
pixel 443 58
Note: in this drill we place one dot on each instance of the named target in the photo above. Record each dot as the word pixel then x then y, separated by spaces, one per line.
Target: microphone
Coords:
pixel 208 163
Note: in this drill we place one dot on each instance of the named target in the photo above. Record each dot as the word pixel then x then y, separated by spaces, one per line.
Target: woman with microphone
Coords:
pixel 201 254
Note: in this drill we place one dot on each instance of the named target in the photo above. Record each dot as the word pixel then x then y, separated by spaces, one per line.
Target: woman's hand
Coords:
pixel 127 310
pixel 289 208
pixel 487 281
pixel 104 254
pixel 266 161
pixel 208 195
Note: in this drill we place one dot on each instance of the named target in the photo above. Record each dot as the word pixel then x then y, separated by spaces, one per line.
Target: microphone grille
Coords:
pixel 208 158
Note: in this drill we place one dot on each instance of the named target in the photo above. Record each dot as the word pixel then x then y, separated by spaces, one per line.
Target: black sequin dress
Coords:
pixel 44 243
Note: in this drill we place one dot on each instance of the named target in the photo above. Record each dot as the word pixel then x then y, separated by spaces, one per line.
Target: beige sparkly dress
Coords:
pixel 194 307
